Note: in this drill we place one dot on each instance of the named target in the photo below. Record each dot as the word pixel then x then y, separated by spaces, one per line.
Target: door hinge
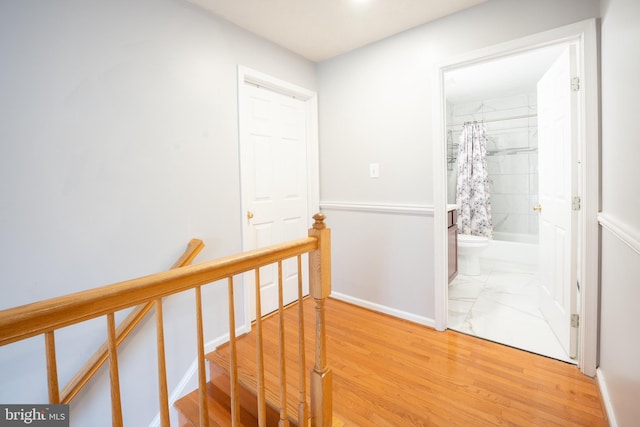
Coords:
pixel 575 84
pixel 575 203
pixel 575 320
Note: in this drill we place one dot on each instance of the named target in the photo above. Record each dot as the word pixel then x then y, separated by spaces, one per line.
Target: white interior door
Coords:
pixel 274 185
pixel 557 186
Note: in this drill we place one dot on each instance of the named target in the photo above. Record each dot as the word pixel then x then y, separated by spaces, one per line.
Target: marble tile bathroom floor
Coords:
pixel 501 305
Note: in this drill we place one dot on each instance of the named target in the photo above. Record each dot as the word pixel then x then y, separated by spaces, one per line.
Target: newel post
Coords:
pixel 320 288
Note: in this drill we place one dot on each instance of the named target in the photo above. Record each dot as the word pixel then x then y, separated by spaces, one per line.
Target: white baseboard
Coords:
pixel 606 398
pixel 191 372
pixel 384 309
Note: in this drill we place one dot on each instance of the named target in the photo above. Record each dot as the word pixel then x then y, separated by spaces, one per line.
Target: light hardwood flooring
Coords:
pixel 391 372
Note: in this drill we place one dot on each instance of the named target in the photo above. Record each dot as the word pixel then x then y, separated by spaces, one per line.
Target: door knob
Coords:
pixel 537 208
pixel 249 215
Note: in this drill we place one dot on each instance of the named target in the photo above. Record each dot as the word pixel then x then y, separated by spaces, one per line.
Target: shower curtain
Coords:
pixel 472 190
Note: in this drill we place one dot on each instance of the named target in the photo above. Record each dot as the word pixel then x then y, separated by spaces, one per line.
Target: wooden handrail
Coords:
pixel 29 320
pixel 193 249
pixel 45 317
pixel 95 362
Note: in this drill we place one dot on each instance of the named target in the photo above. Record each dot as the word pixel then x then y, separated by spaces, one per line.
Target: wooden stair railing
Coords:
pixel 95 362
pixel 45 317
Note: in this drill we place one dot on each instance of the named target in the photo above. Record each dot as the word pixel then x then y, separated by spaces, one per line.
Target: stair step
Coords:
pixel 218 362
pixel 219 402
pixel 188 408
pixel 247 381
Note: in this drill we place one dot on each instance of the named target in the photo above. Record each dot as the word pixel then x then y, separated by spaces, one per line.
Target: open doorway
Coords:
pixel 584 36
pixel 506 300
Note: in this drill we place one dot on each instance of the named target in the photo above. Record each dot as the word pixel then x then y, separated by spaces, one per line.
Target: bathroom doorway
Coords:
pixel 504 303
pixel 583 36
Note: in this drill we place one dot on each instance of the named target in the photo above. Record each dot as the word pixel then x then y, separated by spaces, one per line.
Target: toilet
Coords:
pixel 469 250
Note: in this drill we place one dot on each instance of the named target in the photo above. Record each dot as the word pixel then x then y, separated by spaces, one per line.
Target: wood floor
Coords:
pixel 390 372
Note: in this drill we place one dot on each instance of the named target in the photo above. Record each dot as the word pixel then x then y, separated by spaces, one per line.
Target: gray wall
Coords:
pixel 119 137
pixel 119 144
pixel 620 294
pixel 375 106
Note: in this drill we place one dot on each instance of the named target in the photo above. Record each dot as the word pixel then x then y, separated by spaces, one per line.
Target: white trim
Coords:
pixel 606 398
pixel 419 210
pixel 590 173
pixel 620 230
pixel 425 321
pixel 179 390
pixel 310 98
pixel 440 228
pixel 584 34
pixel 249 75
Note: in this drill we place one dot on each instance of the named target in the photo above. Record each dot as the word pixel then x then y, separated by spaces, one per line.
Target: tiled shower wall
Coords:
pixel 512 159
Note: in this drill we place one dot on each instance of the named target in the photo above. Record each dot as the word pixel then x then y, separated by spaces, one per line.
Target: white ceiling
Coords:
pixel 515 74
pixel 321 29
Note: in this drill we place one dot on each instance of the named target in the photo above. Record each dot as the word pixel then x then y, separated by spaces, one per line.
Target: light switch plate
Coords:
pixel 374 170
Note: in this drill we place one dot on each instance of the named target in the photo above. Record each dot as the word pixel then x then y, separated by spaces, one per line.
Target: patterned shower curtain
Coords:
pixel 472 191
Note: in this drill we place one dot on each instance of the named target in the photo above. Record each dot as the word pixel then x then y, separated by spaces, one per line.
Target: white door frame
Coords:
pixel 310 98
pixel 584 34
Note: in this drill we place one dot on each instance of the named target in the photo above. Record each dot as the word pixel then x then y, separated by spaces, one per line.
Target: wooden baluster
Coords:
pixel 52 368
pixel 233 356
pixel 303 408
pixel 320 288
pixel 284 418
pixel 202 373
pixel 163 394
pixel 262 412
pixel 116 405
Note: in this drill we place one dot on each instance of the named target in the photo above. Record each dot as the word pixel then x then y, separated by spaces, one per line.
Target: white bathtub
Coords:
pixel 515 237
pixel 512 247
